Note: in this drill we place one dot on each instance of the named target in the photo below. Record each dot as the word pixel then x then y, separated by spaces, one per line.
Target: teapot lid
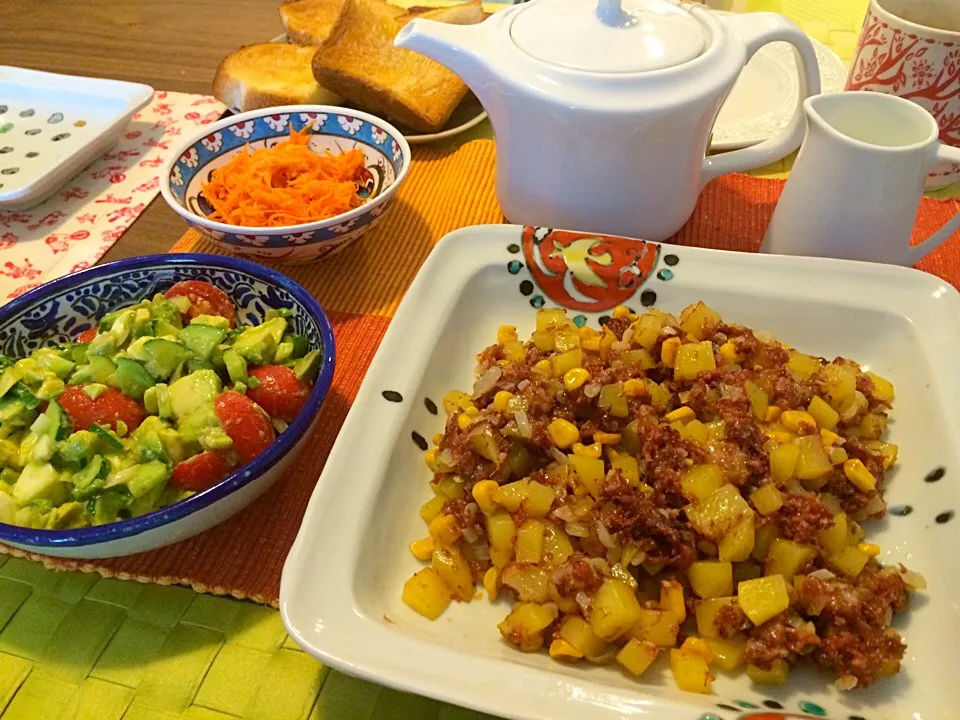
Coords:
pixel 608 36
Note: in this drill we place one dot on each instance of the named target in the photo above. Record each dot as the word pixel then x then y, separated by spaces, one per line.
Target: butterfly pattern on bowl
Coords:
pixel 329 131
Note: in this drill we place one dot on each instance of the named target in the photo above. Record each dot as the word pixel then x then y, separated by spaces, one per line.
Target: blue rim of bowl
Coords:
pixel 82 537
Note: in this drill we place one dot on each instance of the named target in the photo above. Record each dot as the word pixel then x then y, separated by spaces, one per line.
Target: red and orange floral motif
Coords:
pixel 591 273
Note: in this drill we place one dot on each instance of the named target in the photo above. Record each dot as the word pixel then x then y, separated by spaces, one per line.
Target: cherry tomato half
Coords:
pixel 87 335
pixel 201 471
pixel 107 409
pixel 247 425
pixel 280 393
pixel 205 299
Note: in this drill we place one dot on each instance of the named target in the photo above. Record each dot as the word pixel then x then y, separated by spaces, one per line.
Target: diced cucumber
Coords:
pixel 83 478
pixel 165 357
pixel 110 441
pixel 194 364
pixel 236 366
pixel 132 378
pixel 202 339
pixel 307 367
pixel 300 345
pixel 99 369
pixel 162 328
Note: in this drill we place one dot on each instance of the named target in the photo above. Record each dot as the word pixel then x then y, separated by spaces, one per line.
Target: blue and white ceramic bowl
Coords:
pixel 59 310
pixel 335 129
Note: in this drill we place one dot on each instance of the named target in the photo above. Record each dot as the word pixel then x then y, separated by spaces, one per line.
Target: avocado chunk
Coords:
pixel 59 366
pixel 257 345
pixel 194 364
pixel 196 390
pixel 10 377
pixel 99 369
pixel 307 367
pixel 147 477
pixel 38 482
pixel 107 506
pixel 132 378
pixel 79 448
pixel 236 366
pixel 216 321
pixel 283 353
pixel 165 357
pixel 8 508
pixel 202 339
pixel 83 479
pixel 68 515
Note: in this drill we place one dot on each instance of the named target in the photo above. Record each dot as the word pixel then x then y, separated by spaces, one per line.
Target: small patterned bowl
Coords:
pixel 335 129
pixel 57 311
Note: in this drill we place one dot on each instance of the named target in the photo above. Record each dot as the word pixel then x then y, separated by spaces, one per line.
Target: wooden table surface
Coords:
pixel 167 44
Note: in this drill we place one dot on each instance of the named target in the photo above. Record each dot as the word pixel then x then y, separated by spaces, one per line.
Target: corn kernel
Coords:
pixel 591 343
pixel 422 549
pixel 563 432
pixel 471 410
pixel 668 351
pixel 506 333
pixel 483 494
pixel 574 378
pixel 560 648
pixel 444 529
pixel 858 474
pixel 798 420
pixel 587 451
pixel 431 457
pixel 464 421
pixel 634 388
pixel 544 367
pixel 681 414
pixel 501 400
pixel 438 438
pixel 620 311
pixel 698 646
pixel 491 582
pixel 869 549
pixel 728 351
pixel 587 332
pixel 605 438
pixel 829 437
pixel 779 436
pixel 772 413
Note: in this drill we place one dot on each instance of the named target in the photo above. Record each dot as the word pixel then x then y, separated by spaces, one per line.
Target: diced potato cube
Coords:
pixel 711 578
pixel 834 538
pixel 565 339
pixel 837 455
pixel 737 544
pixel 543 341
pixel 636 656
pixel 693 359
pixel 821 411
pixel 850 561
pixel 444 529
pixel 841 382
pixel 698 646
pixel 448 487
pixel 614 610
pixel 701 481
pixel 550 318
pixel 531 583
pixel 695 431
pixel 758 399
pixel 431 508
pixel 802 366
pixel 671 599
pixel 529 547
pixel 657 626
pixel 427 593
pixel 538 499
pixel 510 495
pixel 501 557
pixel 728 654
pixel 764 538
pixel 887 450
pixel 813 462
pixel 501 532
pixel 691 672
pixel 783 461
pixel 699 321
pixel 590 472
pixel 560 649
pixel 707 614
pixel 882 388
pixel 767 500
pixel 566 361
pixel 778 673
pixel 613 399
pixel 640 357
pixel 763 598
pixel 646 330
pixel 454 569
pixel 717 515
pixel 576 631
pixel 556 544
pixel 525 625
pixel 787 558
pixel 626 464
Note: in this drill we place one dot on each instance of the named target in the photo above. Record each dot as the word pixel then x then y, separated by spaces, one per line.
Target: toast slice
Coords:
pixel 358 61
pixel 268 74
pixel 309 22
pixel 461 14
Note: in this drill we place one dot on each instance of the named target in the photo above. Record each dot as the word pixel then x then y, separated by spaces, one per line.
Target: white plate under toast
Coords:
pixel 52 126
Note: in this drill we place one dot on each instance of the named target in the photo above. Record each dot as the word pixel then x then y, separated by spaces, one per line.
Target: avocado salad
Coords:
pixel 161 400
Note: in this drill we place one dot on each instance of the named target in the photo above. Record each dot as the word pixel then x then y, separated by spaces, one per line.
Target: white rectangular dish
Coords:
pixel 341 589
pixel 52 126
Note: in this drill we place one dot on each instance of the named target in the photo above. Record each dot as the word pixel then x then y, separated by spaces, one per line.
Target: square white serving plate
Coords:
pixel 340 592
pixel 52 126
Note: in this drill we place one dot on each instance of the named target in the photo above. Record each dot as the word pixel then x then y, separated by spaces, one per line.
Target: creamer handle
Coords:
pixel 945 154
pixel 756 30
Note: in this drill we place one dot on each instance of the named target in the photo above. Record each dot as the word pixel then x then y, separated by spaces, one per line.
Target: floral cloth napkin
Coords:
pixel 84 218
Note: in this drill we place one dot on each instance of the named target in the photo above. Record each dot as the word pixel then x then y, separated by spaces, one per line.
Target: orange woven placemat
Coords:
pixel 360 290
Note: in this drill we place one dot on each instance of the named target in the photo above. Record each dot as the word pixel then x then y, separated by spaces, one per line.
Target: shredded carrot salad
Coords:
pixel 287 184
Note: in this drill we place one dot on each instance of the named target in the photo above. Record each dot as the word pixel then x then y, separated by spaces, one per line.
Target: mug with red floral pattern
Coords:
pixel 911 48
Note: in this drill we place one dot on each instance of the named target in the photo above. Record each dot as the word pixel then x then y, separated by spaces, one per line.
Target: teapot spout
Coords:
pixel 460 48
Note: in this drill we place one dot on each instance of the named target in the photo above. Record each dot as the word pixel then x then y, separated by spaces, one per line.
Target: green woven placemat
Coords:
pixel 76 646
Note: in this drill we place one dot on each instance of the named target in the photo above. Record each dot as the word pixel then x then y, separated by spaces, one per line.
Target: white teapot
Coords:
pixel 602 113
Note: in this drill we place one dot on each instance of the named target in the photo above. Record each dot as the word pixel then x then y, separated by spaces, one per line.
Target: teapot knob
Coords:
pixel 611 14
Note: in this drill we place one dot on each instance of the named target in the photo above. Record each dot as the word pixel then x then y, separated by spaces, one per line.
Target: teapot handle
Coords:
pixel 756 30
